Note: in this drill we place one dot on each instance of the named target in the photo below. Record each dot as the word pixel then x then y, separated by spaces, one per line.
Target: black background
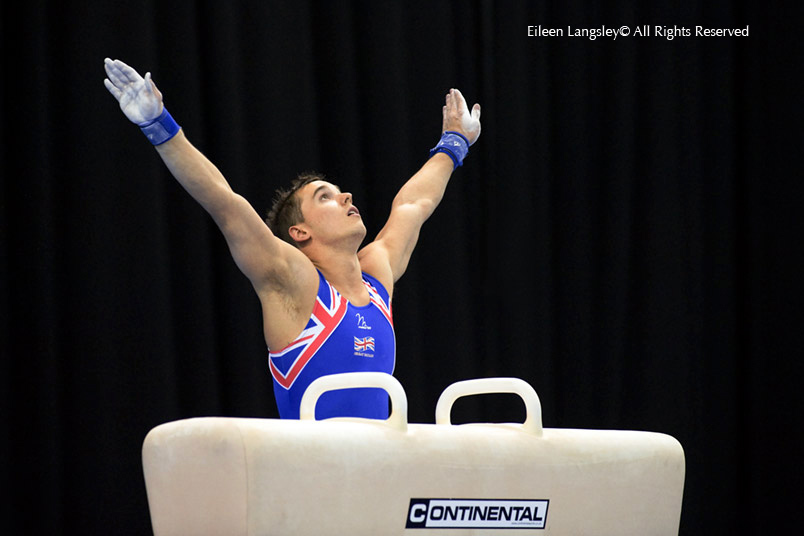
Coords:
pixel 625 235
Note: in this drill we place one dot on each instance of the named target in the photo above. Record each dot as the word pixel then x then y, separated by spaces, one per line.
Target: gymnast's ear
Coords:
pixel 299 233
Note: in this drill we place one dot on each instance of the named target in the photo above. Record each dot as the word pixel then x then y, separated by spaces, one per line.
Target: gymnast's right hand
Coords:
pixel 139 98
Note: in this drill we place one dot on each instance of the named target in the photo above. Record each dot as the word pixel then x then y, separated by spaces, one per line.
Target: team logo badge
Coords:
pixel 363 344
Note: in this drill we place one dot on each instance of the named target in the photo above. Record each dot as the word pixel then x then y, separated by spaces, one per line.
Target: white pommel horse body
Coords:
pixel 243 476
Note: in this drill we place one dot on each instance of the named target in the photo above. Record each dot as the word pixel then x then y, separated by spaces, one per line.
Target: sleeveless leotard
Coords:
pixel 339 337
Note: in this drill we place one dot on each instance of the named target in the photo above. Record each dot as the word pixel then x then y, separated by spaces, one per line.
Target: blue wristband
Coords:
pixel 160 129
pixel 454 144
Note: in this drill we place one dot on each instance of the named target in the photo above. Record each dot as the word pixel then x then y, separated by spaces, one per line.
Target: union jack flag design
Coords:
pixel 323 321
pixel 376 299
pixel 363 344
pixel 287 364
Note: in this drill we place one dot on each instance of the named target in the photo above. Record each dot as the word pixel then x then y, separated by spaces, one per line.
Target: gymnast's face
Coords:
pixel 329 213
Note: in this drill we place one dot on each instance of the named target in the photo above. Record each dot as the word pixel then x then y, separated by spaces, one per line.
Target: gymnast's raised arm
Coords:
pixel 266 260
pixel 387 257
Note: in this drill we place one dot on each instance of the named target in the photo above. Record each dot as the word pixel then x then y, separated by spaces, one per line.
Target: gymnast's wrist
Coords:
pixel 453 144
pixel 161 129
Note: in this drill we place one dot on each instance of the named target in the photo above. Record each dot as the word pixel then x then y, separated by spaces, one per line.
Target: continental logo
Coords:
pixel 477 514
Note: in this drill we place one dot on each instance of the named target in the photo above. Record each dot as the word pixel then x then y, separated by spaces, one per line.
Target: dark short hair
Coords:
pixel 286 210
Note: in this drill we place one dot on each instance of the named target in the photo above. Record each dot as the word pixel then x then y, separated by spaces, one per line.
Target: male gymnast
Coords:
pixel 326 302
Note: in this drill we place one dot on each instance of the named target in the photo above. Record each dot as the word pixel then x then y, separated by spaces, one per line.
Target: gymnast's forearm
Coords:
pixel 426 187
pixel 199 177
pixel 141 102
pixel 460 129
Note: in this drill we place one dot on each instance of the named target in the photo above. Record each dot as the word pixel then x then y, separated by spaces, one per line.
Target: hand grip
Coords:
pixel 352 380
pixel 533 417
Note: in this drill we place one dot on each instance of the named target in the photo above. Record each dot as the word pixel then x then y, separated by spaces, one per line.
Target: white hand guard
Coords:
pixel 140 101
pixel 458 117
pixel 138 97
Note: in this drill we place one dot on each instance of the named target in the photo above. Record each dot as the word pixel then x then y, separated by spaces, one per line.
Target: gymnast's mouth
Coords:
pixel 353 211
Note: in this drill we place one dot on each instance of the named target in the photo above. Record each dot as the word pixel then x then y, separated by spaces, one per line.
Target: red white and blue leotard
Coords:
pixel 339 337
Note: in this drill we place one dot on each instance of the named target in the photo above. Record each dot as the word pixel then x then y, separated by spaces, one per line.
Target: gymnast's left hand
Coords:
pixel 458 118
